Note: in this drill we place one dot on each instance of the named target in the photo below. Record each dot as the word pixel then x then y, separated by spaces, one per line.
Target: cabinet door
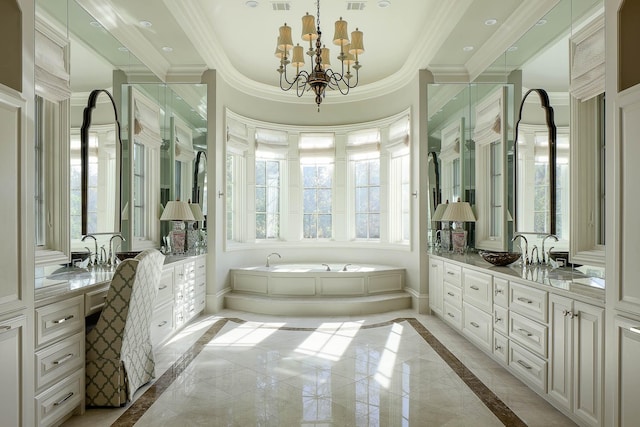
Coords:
pixel 12 338
pixel 626 407
pixel 560 350
pixel 435 286
pixel 588 350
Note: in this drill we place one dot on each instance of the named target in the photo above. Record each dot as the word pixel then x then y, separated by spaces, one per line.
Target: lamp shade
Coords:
pixel 357 46
pixel 341 35
pixel 437 215
pixel 326 62
pixel 459 212
pixel 309 27
pixel 177 211
pixel 197 212
pixel 285 41
pixel 298 56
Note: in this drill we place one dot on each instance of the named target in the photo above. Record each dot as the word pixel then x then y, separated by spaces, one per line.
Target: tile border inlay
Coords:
pixel 489 398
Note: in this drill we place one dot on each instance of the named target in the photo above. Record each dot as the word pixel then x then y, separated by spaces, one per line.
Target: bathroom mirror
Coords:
pixel 100 159
pixel 535 165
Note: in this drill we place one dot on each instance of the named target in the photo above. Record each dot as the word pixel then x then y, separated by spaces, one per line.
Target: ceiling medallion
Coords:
pixel 321 76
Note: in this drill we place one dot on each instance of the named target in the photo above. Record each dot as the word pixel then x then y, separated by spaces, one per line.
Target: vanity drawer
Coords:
pixel 59 359
pixel 529 333
pixel 452 274
pixel 453 315
pixel 528 301
pixel 59 319
pixel 161 323
pixel 59 400
pixel 478 326
pixel 501 319
pixel 477 289
pixel 165 287
pixel 453 295
pixel 94 300
pixel 528 367
pixel 501 348
pixel 201 264
pixel 501 292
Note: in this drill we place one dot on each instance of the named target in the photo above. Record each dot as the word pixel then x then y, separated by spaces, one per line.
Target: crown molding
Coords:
pixel 524 17
pixel 127 34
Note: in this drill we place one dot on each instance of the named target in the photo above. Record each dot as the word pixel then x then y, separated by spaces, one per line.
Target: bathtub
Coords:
pixel 313 280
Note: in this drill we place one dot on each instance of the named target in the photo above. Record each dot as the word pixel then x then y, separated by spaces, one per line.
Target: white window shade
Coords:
pixel 363 144
pixel 183 141
pixel 587 60
pixel 51 67
pixel 316 147
pixel 271 144
pixel 146 121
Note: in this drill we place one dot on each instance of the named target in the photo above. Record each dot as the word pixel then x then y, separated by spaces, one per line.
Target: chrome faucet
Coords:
pixel 95 254
pixel 345 267
pixel 269 256
pixel 525 250
pixel 112 254
pixel 544 254
pixel 328 268
pixel 537 258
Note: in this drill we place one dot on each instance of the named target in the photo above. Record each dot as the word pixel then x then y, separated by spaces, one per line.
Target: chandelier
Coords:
pixel 320 76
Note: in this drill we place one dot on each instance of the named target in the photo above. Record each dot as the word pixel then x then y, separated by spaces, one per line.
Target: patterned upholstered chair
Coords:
pixel 119 357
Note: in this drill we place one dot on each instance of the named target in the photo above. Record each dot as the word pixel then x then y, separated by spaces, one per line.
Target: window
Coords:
pixel 267 199
pixel 138 190
pixel 367 203
pixel 317 184
pixel 75 185
pixel 399 184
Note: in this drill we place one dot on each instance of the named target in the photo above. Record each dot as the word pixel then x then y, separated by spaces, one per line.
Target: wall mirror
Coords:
pixel 534 169
pixel 200 193
pixel 100 160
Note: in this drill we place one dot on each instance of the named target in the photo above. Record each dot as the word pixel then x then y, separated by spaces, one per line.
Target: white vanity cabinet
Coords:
pixel 576 357
pixel 626 412
pixel 12 339
pixel 436 286
pixel 477 302
pixel 59 359
pixel 162 322
pixel 501 320
pixel 452 305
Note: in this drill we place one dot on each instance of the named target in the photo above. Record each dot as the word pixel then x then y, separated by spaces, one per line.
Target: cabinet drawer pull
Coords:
pixel 524 364
pixel 63 359
pixel 524 331
pixel 498 291
pixel 634 329
pixel 8 328
pixel 64 399
pixel 498 319
pixel 64 319
pixel 528 301
pixel 451 315
pixel 451 273
pixel 498 347
pixel 162 287
pixel 450 294
pixel 434 265
pixel 474 287
pixel 474 324
pixel 161 324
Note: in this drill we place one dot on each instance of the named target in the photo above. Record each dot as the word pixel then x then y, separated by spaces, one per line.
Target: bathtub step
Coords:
pixel 314 306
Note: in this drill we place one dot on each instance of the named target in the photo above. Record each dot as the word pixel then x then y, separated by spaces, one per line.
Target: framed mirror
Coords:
pixel 535 165
pixel 100 160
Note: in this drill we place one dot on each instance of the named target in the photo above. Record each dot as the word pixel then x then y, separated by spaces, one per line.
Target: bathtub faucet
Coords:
pixel 345 267
pixel 328 268
pixel 269 256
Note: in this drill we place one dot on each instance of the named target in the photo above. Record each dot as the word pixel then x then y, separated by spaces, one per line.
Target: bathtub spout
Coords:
pixel 269 256
pixel 328 268
pixel 345 267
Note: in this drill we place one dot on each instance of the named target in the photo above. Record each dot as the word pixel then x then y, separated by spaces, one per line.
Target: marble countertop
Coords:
pixel 563 279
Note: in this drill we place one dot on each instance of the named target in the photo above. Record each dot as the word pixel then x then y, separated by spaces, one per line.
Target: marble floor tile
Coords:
pixel 391 369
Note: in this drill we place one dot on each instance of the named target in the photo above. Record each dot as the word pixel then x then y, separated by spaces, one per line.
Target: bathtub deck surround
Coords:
pixel 318 289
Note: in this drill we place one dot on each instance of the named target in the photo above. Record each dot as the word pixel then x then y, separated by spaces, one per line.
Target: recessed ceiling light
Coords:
pixel 512 48
pixel 541 22
pixel 251 3
pixel 167 49
pixel 384 3
pixel 95 24
pixel 123 49
pixel 145 24
pixel 491 21
pixel 467 48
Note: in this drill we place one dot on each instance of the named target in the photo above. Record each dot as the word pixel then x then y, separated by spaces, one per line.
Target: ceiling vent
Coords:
pixel 356 5
pixel 281 5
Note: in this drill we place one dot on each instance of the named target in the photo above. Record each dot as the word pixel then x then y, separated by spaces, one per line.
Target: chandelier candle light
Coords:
pixel 321 75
